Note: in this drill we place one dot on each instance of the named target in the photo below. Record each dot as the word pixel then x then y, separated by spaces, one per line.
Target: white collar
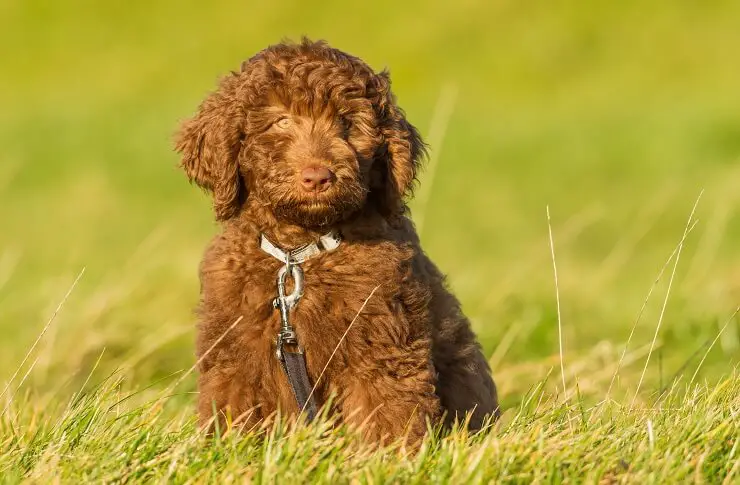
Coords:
pixel 327 242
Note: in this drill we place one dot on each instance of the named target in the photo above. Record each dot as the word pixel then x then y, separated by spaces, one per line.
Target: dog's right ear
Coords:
pixel 210 143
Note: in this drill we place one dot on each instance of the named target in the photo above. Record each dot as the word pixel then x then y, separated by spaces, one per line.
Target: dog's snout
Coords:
pixel 316 178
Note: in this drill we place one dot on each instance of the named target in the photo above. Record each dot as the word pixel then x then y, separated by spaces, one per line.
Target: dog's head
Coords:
pixel 306 129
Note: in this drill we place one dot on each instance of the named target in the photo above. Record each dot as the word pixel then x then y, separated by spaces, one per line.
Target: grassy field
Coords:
pixel 622 117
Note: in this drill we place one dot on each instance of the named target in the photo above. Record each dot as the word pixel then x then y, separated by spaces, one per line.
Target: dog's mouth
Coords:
pixel 321 209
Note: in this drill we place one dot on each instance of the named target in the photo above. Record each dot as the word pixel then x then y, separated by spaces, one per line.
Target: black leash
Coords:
pixel 288 351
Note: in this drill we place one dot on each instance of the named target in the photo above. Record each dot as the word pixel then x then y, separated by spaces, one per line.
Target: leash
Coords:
pixel 288 351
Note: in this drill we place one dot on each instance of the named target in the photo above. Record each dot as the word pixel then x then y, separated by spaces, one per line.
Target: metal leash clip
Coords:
pixel 284 303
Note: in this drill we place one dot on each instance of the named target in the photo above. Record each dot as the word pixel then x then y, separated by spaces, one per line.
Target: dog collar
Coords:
pixel 327 242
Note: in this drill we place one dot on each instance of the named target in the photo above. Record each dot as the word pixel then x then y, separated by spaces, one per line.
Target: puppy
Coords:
pixel 304 150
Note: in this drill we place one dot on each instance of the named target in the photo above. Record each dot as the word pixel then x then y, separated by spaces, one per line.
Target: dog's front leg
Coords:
pixel 388 387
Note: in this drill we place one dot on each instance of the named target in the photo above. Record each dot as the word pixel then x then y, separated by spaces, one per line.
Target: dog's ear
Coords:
pixel 402 152
pixel 209 144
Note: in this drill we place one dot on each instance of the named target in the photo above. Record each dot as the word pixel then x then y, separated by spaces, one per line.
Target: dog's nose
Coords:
pixel 316 178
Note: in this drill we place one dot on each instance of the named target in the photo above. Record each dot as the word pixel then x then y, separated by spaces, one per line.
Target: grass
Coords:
pixel 683 437
pixel 615 116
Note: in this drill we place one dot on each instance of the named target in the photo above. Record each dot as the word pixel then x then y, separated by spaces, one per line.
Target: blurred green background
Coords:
pixel 615 114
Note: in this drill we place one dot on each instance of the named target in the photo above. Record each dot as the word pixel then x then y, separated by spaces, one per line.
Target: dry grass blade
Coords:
pixel 364 303
pixel 732 471
pixel 567 233
pixel 642 309
pixel 667 295
pixel 205 354
pixel 505 343
pixel 719 334
pixel 626 246
pixel 717 226
pixel 167 392
pixel 23 379
pixel 557 300
pixel 43 331
pixel 440 118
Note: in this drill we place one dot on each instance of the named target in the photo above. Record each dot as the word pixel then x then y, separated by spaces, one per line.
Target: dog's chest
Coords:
pixel 352 294
pixel 335 286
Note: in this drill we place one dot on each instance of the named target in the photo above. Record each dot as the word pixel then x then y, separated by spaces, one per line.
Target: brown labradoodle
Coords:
pixel 303 141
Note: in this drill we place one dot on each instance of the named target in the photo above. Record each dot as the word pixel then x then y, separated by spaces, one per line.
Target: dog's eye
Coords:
pixel 283 123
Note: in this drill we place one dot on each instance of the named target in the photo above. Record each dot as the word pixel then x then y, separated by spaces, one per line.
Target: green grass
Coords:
pixel 616 115
pixel 681 438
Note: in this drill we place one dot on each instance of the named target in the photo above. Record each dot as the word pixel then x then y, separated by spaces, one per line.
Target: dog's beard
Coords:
pixel 322 210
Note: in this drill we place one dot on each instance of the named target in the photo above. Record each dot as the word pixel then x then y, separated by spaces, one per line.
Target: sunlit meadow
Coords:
pixel 622 118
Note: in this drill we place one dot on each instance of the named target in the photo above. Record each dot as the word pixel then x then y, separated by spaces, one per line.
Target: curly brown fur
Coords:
pixel 411 354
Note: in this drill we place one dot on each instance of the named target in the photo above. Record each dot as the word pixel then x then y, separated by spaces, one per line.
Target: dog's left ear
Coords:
pixel 403 148
pixel 210 143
